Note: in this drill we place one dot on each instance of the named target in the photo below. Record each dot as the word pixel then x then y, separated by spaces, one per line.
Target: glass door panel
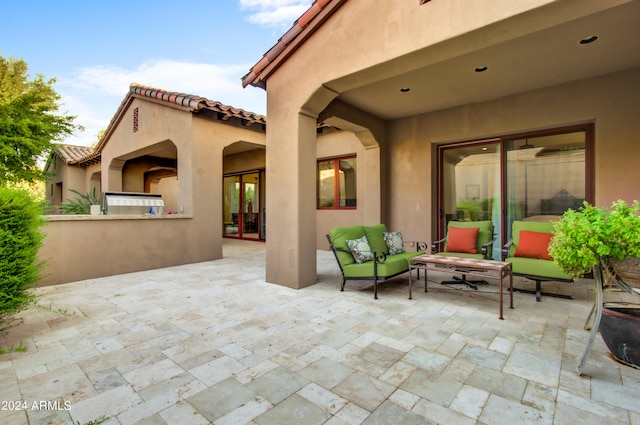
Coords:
pixel 545 176
pixel 231 206
pixel 535 178
pixel 326 184
pixel 347 191
pixel 250 206
pixel 244 205
pixel 261 205
pixel 470 188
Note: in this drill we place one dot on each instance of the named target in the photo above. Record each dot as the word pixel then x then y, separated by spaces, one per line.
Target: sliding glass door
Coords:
pixel 532 177
pixel 545 176
pixel 470 185
pixel 243 206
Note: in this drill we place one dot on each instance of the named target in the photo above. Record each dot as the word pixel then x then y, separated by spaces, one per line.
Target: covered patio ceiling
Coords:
pixel 517 59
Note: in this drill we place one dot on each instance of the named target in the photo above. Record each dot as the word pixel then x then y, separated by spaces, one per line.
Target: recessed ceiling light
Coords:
pixel 405 89
pixel 589 39
pixel 481 69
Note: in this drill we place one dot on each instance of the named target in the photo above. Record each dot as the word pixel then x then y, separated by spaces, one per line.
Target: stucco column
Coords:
pixel 113 175
pixel 372 185
pixel 291 199
pixel 200 188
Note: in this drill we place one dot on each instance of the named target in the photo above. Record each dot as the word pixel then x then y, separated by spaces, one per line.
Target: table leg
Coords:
pixel 510 289
pixel 501 278
pixel 410 282
pixel 426 267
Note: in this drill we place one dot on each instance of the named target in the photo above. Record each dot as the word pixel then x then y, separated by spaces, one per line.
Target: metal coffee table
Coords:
pixel 488 269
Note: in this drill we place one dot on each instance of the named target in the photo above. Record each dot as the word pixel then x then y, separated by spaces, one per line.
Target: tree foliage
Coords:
pixel 29 122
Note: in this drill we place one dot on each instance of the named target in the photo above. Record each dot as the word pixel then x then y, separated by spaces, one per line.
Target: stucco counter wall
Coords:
pixel 84 247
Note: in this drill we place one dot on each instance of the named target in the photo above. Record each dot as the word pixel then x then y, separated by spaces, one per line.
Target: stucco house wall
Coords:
pixel 395 149
pixel 245 161
pixel 343 143
pixel 65 178
pixel 83 247
pixel 611 102
pixel 398 38
pixel 146 133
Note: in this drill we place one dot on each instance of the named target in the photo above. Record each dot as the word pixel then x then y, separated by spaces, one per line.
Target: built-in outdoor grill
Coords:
pixel 128 203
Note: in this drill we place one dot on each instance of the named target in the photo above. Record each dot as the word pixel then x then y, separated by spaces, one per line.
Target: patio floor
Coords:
pixel 214 343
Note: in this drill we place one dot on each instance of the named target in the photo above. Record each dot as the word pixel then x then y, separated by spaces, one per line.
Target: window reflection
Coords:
pixel 545 175
pixel 337 183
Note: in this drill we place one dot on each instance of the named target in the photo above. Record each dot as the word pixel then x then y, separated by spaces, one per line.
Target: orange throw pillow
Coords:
pixel 461 239
pixel 534 245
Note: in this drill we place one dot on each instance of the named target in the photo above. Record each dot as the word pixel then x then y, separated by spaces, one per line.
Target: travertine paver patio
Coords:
pixel 213 343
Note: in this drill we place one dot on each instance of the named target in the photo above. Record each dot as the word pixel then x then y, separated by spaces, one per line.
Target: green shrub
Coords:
pixel 20 239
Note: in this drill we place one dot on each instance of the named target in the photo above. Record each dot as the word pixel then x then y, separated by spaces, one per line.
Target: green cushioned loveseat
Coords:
pixel 381 266
pixel 536 269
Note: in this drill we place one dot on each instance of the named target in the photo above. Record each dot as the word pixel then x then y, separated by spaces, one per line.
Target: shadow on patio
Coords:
pixel 214 343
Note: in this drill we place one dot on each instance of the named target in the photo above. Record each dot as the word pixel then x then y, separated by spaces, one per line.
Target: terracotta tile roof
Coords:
pixel 183 101
pixel 195 103
pixel 76 155
pixel 83 156
pixel 301 30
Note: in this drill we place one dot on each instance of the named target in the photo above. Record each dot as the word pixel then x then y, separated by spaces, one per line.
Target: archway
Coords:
pixel 243 192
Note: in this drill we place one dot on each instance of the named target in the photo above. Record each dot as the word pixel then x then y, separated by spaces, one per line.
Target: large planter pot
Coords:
pixel 620 331
pixel 628 270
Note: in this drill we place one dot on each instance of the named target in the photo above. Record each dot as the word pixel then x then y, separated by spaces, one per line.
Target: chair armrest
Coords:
pixel 379 257
pixel 434 246
pixel 420 246
pixel 487 249
pixel 505 249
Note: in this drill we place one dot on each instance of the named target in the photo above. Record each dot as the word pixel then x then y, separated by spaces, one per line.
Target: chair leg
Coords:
pixel 539 293
pixel 375 288
pixel 343 282
pixel 463 281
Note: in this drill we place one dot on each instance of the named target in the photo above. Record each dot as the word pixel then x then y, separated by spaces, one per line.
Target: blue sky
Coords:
pixel 96 49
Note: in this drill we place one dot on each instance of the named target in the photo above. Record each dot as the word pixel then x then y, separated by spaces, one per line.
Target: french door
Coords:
pixel 535 176
pixel 243 206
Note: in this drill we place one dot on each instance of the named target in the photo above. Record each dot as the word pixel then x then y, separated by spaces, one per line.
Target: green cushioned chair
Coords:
pixel 382 266
pixel 537 269
pixel 483 247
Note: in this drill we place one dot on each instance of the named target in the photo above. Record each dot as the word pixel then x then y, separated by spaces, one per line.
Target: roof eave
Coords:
pixel 181 101
pixel 301 30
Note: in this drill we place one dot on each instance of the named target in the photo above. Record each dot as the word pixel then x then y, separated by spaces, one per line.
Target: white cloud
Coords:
pixel 279 14
pixel 193 78
pixel 94 93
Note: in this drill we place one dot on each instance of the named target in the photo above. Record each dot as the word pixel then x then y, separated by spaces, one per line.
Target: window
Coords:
pixel 337 186
pixel 535 176
pixel 546 174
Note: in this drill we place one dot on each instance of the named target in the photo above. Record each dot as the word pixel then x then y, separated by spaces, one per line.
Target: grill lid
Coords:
pixel 133 199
